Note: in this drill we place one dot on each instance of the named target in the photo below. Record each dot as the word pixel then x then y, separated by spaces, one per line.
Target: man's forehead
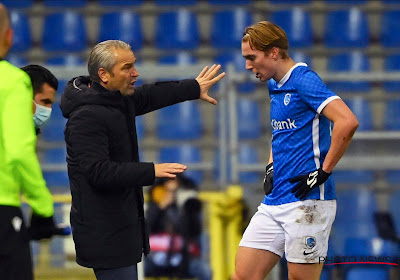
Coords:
pixel 124 55
pixel 247 49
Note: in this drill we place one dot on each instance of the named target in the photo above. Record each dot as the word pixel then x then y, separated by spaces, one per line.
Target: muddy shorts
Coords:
pixel 299 229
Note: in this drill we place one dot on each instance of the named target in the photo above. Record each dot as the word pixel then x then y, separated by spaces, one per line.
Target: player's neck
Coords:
pixel 284 67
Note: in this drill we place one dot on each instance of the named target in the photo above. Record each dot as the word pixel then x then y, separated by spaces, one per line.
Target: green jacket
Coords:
pixel 19 166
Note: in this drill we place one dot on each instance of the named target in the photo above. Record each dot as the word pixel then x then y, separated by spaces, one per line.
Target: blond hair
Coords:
pixel 265 35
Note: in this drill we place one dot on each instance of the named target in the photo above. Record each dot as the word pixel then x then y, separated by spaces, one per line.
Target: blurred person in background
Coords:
pixel 299 206
pixel 44 85
pixel 106 175
pixel 19 168
pixel 174 216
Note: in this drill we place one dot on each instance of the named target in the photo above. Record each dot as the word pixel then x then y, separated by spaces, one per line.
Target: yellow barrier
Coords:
pixel 224 212
pixel 225 220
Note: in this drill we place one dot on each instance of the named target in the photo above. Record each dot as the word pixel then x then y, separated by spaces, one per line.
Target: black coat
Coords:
pixel 106 177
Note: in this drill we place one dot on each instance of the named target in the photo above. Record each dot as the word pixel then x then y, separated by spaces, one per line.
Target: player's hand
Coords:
pixel 168 170
pixel 269 178
pixel 41 227
pixel 207 79
pixel 308 181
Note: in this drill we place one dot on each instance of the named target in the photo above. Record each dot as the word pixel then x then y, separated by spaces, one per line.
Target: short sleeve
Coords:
pixel 314 92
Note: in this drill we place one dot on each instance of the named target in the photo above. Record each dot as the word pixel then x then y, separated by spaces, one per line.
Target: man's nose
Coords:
pixel 248 65
pixel 135 73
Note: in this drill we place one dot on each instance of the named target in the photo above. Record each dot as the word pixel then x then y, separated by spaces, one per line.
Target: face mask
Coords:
pixel 41 116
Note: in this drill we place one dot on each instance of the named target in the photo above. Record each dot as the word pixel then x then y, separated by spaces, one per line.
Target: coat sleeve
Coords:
pixel 19 141
pixel 148 98
pixel 87 138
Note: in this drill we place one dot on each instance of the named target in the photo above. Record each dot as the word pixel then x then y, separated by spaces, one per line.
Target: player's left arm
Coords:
pixel 345 124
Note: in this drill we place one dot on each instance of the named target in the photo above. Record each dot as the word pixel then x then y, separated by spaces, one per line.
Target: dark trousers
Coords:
pixel 15 252
pixel 120 273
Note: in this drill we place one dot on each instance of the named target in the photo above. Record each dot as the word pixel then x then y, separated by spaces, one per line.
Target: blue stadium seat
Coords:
pixel 392 119
pixel 301 57
pixel 393 178
pixel 53 131
pixel 290 1
pixel 390 27
pixel 124 25
pixel 369 247
pixel 55 178
pixel 66 60
pixel 361 203
pixel 353 177
pixel 181 58
pixel 176 2
pixel 55 155
pixel 61 86
pixel 353 62
pixel 235 57
pixel 56 115
pixel 297 24
pixel 353 26
pixel 228 27
pixel 362 273
pixel 392 64
pixel 248 155
pixel 120 2
pixel 177 30
pixel 65 3
pixel 249 119
pixel 184 154
pixel 12 4
pixel 64 32
pixel 361 108
pixel 180 122
pixel 347 2
pixel 224 2
pixel 394 199
pixel 326 273
pixel 17 60
pixel 22 40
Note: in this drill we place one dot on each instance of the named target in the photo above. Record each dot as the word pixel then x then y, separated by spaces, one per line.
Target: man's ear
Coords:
pixel 103 75
pixel 9 34
pixel 275 53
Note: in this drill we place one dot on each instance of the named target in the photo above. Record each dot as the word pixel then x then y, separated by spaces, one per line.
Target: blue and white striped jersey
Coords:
pixel 301 135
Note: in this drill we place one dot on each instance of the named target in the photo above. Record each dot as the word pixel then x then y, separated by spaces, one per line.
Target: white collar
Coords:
pixel 287 75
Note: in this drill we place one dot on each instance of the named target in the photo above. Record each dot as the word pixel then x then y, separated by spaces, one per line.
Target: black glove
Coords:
pixel 41 228
pixel 269 178
pixel 308 181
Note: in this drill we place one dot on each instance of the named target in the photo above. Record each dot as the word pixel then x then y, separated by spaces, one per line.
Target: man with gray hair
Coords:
pixel 106 176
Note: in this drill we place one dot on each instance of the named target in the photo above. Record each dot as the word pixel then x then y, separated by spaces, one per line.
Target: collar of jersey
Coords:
pixel 287 75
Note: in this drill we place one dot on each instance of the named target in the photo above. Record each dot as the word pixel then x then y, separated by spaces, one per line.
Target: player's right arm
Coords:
pixel 19 152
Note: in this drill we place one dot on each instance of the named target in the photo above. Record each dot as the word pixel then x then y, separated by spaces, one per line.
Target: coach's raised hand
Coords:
pixel 207 79
pixel 168 170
